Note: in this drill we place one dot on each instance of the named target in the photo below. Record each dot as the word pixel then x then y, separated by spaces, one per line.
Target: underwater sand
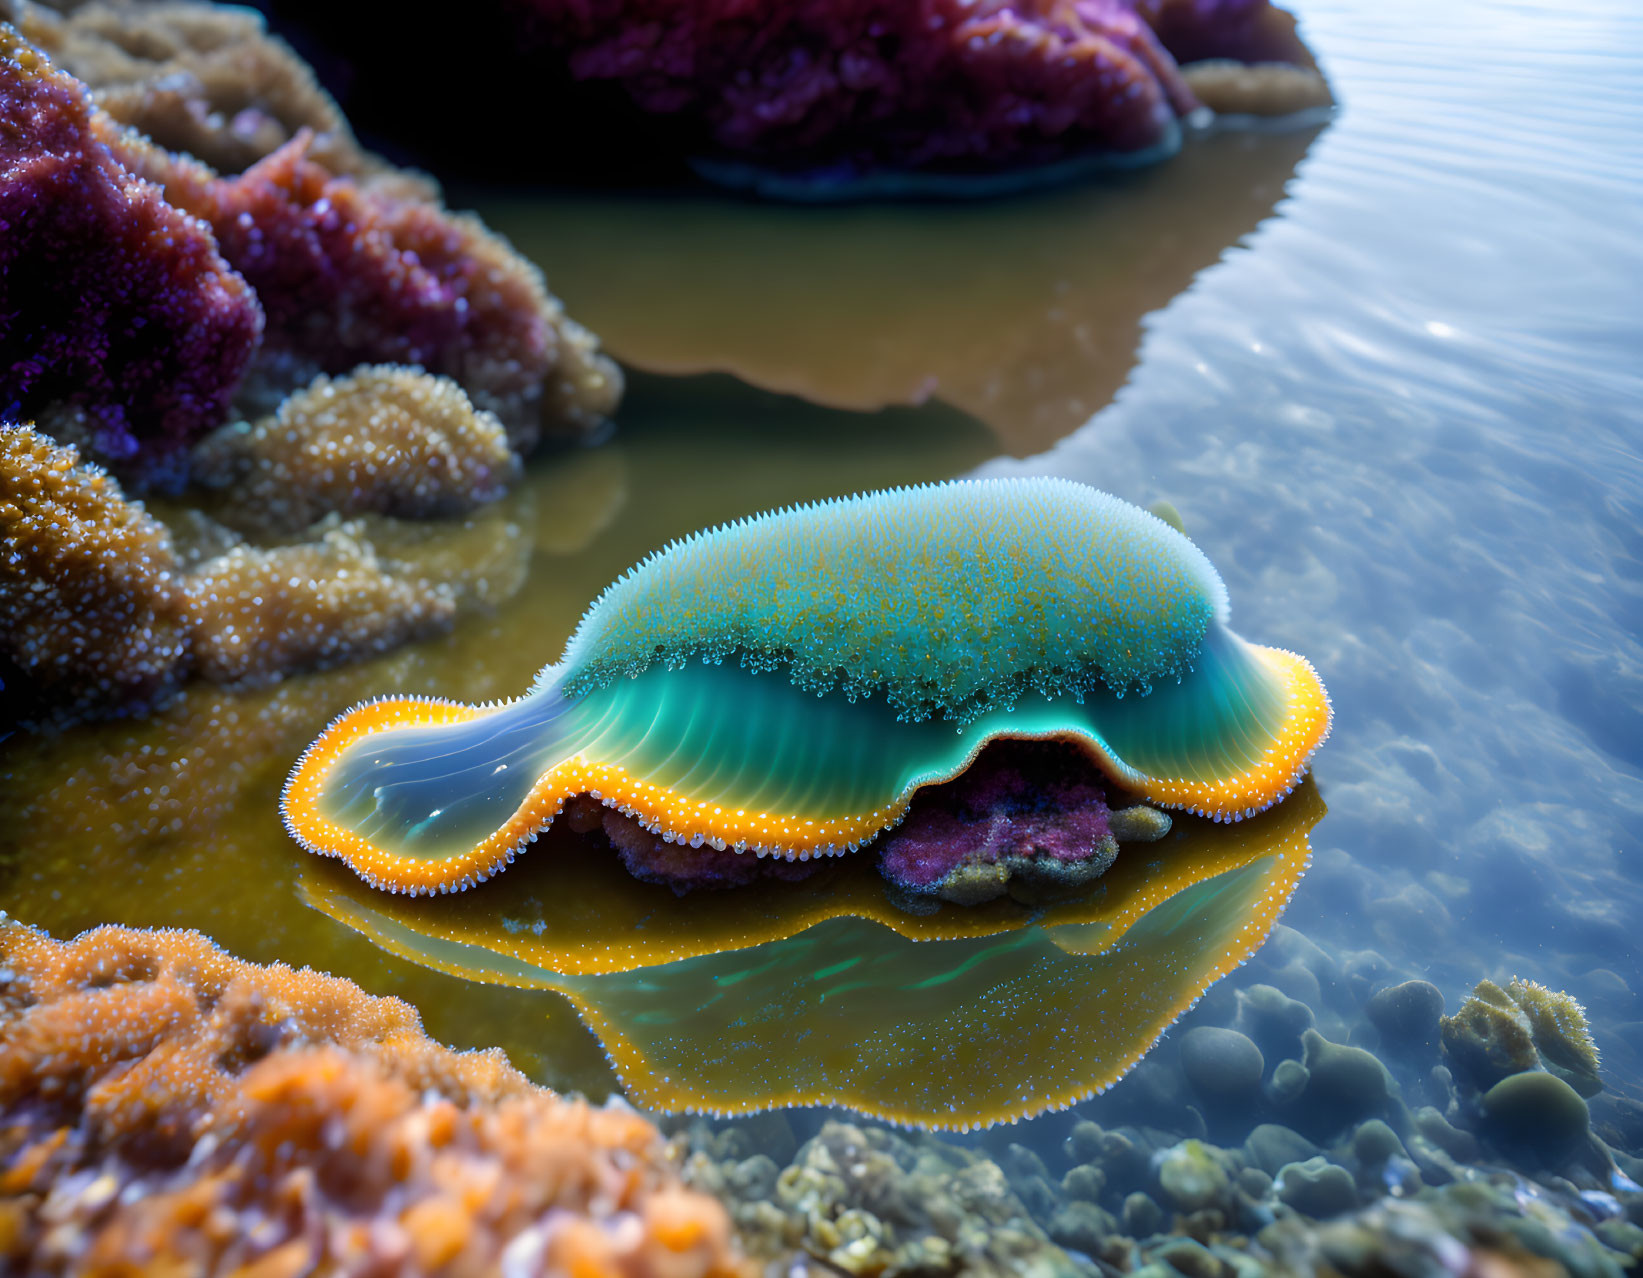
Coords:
pixel 1394 388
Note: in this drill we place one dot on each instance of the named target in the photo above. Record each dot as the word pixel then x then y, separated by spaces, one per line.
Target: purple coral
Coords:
pixel 120 323
pixel 1026 818
pixel 354 272
pixel 836 92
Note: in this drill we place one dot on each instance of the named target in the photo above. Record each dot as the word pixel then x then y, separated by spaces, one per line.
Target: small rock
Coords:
pixel 1083 1183
pixel 1273 1020
pixel 1082 1226
pixel 1191 1176
pixel 1538 1113
pixel 1254 1183
pixel 1289 1080
pixel 1221 1065
pixel 1407 1016
pixel 1374 1142
pixel 1020 1163
pixel 1344 1084
pixel 1317 1188
pixel 1138 824
pixel 1459 1145
pixel 1083 1143
pixel 1126 1164
pixel 1270 1146
pixel 1142 1217
pixel 1186 1256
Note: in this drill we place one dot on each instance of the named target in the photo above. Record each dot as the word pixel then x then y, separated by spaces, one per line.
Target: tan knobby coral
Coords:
pixel 94 612
pixel 1498 1032
pixel 101 611
pixel 1488 1037
pixel 164 1106
pixel 258 613
pixel 385 439
pixel 1263 88
pixel 206 79
pixel 1560 1029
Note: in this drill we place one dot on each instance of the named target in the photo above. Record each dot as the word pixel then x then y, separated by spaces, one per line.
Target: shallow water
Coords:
pixel 1401 415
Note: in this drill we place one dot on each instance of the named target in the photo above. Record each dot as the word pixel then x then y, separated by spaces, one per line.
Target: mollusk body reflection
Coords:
pixel 783 685
pixel 829 992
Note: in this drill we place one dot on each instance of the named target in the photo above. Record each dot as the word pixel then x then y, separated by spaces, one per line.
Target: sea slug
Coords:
pixel 783 684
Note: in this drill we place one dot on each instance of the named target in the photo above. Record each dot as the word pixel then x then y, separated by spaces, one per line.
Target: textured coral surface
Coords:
pixel 846 88
pixel 202 78
pixel 105 608
pixel 385 439
pixel 140 282
pixel 165 1107
pixel 354 272
pixel 94 612
pixel 121 323
pixel 264 612
pixel 1025 811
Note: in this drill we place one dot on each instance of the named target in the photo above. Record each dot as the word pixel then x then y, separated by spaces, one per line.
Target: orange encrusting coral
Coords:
pixel 695 821
pixel 166 1106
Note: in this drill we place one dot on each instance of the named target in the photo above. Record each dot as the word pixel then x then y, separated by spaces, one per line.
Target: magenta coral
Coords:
pixel 120 323
pixel 1024 818
pixel 355 272
pixel 840 91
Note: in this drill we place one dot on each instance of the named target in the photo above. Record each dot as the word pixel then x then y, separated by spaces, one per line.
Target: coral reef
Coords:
pixel 1024 820
pixel 123 328
pixel 96 616
pixel 385 440
pixel 1512 1182
pixel 207 80
pixel 135 349
pixel 168 1106
pixel 351 273
pixel 261 613
pixel 107 611
pixel 1499 1032
pixel 825 99
pixel 1562 1037
pixel 906 610
pixel 1489 1037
